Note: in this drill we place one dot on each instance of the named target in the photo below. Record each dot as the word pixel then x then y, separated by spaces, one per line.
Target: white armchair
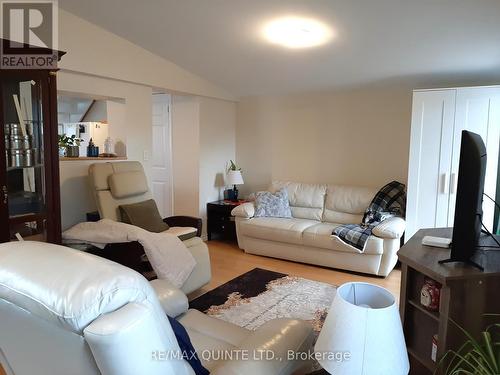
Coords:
pixel 67 312
pixel 118 183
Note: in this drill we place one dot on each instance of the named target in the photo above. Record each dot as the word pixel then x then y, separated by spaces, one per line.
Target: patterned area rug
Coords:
pixel 260 295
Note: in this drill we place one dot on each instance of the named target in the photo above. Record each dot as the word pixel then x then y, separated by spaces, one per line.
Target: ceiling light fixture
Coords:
pixel 297 32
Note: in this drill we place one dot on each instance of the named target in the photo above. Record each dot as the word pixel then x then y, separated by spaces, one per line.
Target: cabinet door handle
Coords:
pixel 444 183
pixel 453 183
pixel 5 194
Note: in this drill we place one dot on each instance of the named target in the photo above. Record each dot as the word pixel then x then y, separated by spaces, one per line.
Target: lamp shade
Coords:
pixel 234 178
pixel 364 324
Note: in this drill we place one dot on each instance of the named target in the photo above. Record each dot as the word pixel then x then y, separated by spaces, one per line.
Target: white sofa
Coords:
pixel 65 312
pixel 307 237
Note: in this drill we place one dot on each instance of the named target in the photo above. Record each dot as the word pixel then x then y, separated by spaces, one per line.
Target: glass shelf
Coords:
pixel 18 168
pixel 24 148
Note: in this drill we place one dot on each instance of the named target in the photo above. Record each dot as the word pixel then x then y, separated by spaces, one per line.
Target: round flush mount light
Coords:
pixel 297 32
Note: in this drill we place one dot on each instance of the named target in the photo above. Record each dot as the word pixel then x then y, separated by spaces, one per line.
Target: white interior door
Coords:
pixel 162 155
pixel 433 116
pixel 478 110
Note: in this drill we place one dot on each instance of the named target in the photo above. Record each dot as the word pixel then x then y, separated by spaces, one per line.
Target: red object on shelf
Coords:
pixel 236 203
pixel 429 294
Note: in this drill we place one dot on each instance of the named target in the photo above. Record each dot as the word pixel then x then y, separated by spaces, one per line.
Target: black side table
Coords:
pixel 220 221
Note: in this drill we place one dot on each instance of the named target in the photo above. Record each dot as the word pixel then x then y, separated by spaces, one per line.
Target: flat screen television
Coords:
pixel 469 199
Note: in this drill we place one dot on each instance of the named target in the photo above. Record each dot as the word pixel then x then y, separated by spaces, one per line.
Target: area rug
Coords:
pixel 260 295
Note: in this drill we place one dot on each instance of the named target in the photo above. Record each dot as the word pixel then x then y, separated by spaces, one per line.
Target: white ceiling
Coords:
pixel 377 40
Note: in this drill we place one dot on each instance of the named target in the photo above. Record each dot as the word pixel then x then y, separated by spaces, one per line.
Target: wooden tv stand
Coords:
pixel 466 295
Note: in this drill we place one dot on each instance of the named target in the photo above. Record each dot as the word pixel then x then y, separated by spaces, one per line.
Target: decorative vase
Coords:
pixel 62 151
pixel 109 146
pixel 72 151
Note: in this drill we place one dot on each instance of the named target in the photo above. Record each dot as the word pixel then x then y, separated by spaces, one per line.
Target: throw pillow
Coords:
pixel 144 215
pixel 268 204
pixel 187 349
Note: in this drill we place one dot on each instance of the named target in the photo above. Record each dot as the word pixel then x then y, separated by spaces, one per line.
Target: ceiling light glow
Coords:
pixel 297 32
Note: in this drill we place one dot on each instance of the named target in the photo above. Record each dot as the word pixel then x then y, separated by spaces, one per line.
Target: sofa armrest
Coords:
pixel 185 221
pixel 276 339
pixel 245 210
pixel 123 342
pixel 392 227
pixel 172 299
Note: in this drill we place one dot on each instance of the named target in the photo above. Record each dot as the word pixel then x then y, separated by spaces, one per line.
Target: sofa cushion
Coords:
pixel 276 229
pixel 320 235
pixel 346 204
pixel 144 215
pixel 127 184
pixel 306 200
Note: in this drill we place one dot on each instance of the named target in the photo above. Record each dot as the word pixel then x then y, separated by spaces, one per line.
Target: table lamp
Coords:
pixel 234 178
pixel 362 334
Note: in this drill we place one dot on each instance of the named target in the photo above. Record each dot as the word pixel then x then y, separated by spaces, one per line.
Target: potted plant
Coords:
pixel 69 146
pixel 233 167
pixel 61 142
pixel 475 357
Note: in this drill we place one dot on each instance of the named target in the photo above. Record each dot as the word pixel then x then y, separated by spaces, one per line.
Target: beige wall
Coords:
pixel 186 154
pixel 76 197
pixel 203 139
pixel 358 137
pixel 217 147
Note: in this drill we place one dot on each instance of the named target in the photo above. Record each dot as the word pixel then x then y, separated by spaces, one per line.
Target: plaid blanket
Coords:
pixel 389 201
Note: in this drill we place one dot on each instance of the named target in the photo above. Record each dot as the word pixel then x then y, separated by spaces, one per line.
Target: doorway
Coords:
pixel 162 182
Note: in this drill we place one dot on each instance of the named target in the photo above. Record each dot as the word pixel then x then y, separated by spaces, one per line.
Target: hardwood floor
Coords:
pixel 228 262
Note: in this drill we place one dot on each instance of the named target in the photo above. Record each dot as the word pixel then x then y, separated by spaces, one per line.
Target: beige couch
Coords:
pixel 307 237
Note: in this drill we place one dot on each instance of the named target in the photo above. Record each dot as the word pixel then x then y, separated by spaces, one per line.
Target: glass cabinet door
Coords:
pixel 24 182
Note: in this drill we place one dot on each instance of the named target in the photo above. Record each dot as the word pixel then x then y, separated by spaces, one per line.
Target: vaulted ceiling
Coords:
pixel 376 40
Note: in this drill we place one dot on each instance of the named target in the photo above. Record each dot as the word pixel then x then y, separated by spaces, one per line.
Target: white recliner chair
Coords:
pixel 66 312
pixel 118 183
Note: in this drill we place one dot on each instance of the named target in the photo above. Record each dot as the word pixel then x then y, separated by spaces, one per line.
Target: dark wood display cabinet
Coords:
pixel 29 161
pixel 466 296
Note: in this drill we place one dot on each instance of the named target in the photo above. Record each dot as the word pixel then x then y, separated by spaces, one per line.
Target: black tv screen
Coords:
pixel 469 199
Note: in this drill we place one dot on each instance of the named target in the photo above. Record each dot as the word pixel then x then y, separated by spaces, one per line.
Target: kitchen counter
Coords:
pixel 114 158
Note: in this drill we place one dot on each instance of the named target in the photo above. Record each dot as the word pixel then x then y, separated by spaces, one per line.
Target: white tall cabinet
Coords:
pixel 438 118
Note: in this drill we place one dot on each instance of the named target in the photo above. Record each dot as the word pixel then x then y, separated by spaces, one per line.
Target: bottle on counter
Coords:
pixel 109 146
pixel 92 149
